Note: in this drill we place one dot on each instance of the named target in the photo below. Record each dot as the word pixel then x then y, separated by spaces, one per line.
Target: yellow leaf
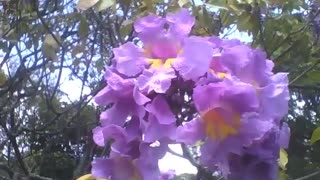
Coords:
pixel 183 2
pixel 49 40
pixel 283 160
pixel 50 47
pixel 87 177
pixel 315 135
pixel 86 4
pixel 104 4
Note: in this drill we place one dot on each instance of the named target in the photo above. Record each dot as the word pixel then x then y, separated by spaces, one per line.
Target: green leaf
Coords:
pixel 83 28
pixel 77 50
pixel 283 176
pixel 244 22
pixel 3 78
pixel 314 75
pixel 86 4
pixel 276 2
pixel 51 41
pixel 126 27
pixel 217 4
pixel 104 4
pixel 226 18
pixel 283 160
pixel 50 47
pixel 49 53
pixel 315 135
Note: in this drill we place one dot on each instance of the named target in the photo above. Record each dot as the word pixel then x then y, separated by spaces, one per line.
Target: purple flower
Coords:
pixel 260 161
pixel 169 175
pixel 161 122
pixel 225 87
pixel 129 59
pixel 227 123
pixel 154 130
pixel 195 59
pixel 126 167
pixel 126 99
pixel 178 26
pixel 121 142
pixel 216 42
pixel 274 97
pixel 118 168
pixel 161 110
pixel 251 66
pixel 158 82
pixel 161 45
pixel 166 49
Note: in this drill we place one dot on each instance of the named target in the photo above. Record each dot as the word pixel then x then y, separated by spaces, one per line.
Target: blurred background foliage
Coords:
pixel 49 48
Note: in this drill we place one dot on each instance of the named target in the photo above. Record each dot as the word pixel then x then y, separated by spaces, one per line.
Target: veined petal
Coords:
pixel 195 59
pixel 191 132
pixel 161 110
pixel 181 22
pixel 119 168
pixel 148 26
pixel 158 81
pixel 129 59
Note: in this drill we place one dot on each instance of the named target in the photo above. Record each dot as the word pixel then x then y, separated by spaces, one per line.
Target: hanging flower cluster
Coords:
pixel 177 88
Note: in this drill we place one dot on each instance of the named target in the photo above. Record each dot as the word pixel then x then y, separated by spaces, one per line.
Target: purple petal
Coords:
pixel 118 135
pixel 190 132
pixel 98 136
pixel 215 41
pixel 119 168
pixel 118 83
pixel 102 168
pixel 275 96
pixel 139 98
pixel 117 114
pixel 196 58
pixel 105 96
pixel 161 110
pixel 133 128
pixel 154 131
pixel 239 96
pixel 253 128
pixel 247 64
pixel 284 136
pixel 148 26
pixel 148 163
pixel 228 43
pixel 158 81
pixel 169 175
pixel 249 167
pixel 163 46
pixel 181 22
pixel 116 89
pixel 129 59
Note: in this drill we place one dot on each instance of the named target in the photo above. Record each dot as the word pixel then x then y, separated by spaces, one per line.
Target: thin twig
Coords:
pixel 175 153
pixel 304 72
pixel 308 176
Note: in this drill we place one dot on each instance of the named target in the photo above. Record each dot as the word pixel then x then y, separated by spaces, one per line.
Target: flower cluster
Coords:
pixel 177 88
